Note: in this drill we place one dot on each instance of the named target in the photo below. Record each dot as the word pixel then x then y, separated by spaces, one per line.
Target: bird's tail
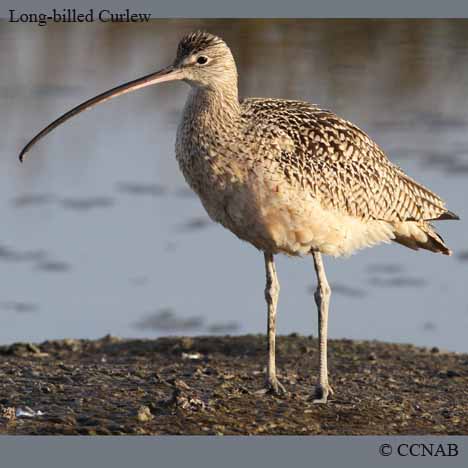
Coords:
pixel 420 235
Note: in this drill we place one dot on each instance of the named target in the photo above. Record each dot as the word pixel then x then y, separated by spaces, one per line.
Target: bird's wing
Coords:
pixel 340 164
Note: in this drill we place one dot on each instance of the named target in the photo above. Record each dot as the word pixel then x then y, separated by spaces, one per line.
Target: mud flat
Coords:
pixel 210 385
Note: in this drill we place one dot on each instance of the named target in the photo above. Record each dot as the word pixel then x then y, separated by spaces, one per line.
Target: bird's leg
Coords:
pixel 322 299
pixel 271 296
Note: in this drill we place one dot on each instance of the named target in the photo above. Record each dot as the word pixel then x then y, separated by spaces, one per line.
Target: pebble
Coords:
pixel 192 356
pixel 178 383
pixel 144 414
pixel 8 413
pixel 27 412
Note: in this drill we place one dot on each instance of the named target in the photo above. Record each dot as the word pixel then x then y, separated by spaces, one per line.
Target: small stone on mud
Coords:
pixel 144 414
pixel 179 383
pixel 192 356
pixel 8 413
pixel 27 412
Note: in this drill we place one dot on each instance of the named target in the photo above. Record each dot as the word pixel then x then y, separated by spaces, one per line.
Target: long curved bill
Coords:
pixel 167 74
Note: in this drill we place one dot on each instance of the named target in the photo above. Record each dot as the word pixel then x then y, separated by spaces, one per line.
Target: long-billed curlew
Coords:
pixel 286 176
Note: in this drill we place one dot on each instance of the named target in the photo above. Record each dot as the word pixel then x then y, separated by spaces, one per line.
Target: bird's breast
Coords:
pixel 212 172
pixel 242 193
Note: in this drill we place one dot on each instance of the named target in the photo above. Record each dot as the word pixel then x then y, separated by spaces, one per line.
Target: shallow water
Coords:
pixel 99 232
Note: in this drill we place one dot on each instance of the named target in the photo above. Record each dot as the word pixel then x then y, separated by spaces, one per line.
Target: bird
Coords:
pixel 286 176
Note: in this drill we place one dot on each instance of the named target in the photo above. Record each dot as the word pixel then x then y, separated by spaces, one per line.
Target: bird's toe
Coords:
pixel 274 386
pixel 321 393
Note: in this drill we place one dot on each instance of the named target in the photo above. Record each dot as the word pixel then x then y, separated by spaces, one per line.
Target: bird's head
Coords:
pixel 203 60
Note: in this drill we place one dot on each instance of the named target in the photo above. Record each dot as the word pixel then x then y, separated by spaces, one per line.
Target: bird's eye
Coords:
pixel 202 60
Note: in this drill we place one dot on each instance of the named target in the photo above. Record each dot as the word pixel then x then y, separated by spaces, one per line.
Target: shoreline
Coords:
pixel 212 385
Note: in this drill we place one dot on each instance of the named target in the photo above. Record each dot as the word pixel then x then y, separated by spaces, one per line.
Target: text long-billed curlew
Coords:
pixel 286 176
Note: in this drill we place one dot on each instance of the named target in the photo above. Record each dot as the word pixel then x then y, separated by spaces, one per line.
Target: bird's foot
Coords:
pixel 273 386
pixel 321 393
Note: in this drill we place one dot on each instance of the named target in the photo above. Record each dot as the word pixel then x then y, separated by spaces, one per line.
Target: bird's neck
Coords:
pixel 211 119
pixel 213 106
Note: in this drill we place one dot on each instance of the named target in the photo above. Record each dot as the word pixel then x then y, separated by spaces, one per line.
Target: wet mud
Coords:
pixel 212 385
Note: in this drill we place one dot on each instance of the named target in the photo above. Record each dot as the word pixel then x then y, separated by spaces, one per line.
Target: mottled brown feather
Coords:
pixel 342 166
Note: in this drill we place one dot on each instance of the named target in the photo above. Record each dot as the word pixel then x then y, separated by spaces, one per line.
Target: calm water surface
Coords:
pixel 99 233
